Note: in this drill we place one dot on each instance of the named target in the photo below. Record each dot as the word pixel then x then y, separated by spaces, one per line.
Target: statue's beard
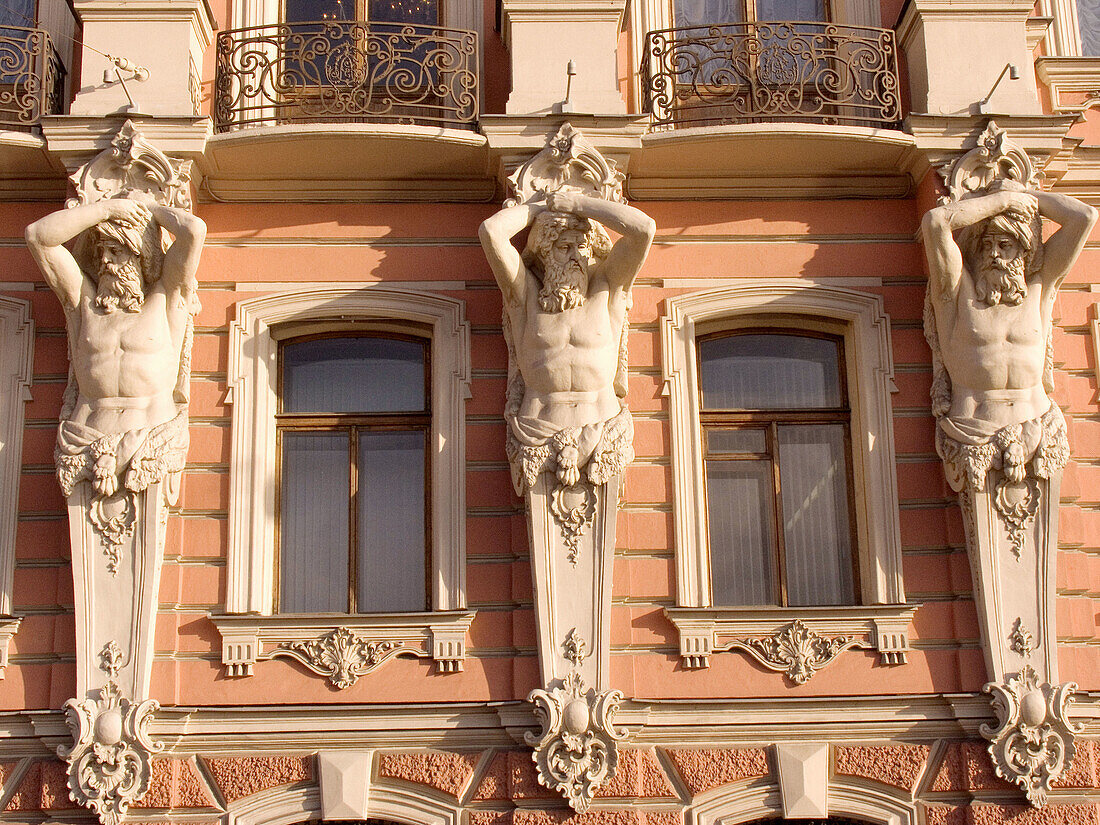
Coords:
pixel 561 286
pixel 120 285
pixel 1002 282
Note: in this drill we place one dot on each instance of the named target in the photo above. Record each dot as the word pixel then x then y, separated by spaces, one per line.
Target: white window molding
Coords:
pixel 862 321
pixel 253 348
pixel 1063 39
pixel 16 354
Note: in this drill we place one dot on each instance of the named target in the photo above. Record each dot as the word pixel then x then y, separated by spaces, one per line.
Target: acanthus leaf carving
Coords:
pixel 110 659
pixel 1021 639
pixel 576 751
pixel 109 759
pixel 1033 741
pixel 797 650
pixel 568 160
pixel 994 158
pixel 343 655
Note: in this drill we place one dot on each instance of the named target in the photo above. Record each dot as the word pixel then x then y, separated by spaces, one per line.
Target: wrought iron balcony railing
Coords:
pixel 32 77
pixel 346 72
pixel 771 71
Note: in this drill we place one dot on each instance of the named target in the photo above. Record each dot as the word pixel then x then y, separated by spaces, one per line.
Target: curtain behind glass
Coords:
pixel 757 372
pixel 1088 20
pixel 742 535
pixel 353 375
pixel 706 12
pixel 790 10
pixel 813 479
pixel 313 523
pixel 391 522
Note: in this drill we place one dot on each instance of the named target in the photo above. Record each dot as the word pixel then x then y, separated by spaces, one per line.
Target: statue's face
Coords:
pixel 1000 246
pixel 113 254
pixel 570 247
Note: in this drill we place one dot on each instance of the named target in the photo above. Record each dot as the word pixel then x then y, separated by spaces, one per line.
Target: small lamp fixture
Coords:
pixel 1013 74
pixel 120 65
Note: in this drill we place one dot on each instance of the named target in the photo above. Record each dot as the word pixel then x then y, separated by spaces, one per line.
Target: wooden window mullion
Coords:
pixel 780 555
pixel 353 519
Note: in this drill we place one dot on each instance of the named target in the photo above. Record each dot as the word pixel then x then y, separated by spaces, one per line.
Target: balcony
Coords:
pixel 768 72
pixel 32 77
pixel 346 72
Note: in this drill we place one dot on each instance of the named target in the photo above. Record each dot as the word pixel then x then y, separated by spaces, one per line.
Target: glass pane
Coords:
pixel 790 10
pixel 425 12
pixel 742 533
pixel 19 13
pixel 755 372
pixel 813 475
pixel 1088 19
pixel 353 375
pixel 311 11
pixel 391 522
pixel 707 12
pixel 313 525
pixel 736 441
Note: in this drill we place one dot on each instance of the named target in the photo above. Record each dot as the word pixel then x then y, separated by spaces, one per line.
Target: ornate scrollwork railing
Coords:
pixel 346 72
pixel 32 77
pixel 771 71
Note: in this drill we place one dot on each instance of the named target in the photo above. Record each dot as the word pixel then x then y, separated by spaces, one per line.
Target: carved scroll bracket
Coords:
pixel 576 750
pixel 569 160
pixel 109 760
pixel 1032 742
pixel 994 158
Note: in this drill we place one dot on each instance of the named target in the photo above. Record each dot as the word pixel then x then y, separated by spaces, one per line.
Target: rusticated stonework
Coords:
pixel 44 787
pixel 238 777
pixel 602 817
pixel 173 783
pixel 511 775
pixel 896 765
pixel 1084 772
pixel 979 814
pixel 966 766
pixel 638 776
pixel 445 771
pixel 704 770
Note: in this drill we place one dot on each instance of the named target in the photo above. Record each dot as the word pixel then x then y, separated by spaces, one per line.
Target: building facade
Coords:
pixel 322 588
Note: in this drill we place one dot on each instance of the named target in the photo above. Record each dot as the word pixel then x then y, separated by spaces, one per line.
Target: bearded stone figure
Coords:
pixel 128 307
pixel 991 298
pixel 989 322
pixel 566 301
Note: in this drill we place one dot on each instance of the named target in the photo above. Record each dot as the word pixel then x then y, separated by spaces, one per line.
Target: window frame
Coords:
pixel 768 419
pixel 16 369
pixel 251 629
pixel 353 424
pixel 881 617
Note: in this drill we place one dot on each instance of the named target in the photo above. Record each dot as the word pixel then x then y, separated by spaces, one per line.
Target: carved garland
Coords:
pixel 343 655
pixel 797 650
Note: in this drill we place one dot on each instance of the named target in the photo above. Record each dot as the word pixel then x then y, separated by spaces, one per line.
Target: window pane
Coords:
pixel 353 375
pixel 391 522
pixel 313 525
pixel 707 12
pixel 813 480
pixel 741 524
pixel 736 441
pixel 310 11
pixel 424 12
pixel 790 10
pixel 753 372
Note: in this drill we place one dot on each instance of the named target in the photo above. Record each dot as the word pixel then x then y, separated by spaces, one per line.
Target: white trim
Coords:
pixel 251 379
pixel 296 803
pixel 860 799
pixel 870 377
pixel 1063 39
pixel 16 355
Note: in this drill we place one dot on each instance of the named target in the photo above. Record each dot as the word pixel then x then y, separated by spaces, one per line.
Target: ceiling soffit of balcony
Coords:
pixel 28 172
pixel 774 160
pixel 347 162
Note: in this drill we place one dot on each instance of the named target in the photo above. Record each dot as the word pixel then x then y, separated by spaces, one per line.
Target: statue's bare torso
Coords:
pixel 569 359
pixel 127 363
